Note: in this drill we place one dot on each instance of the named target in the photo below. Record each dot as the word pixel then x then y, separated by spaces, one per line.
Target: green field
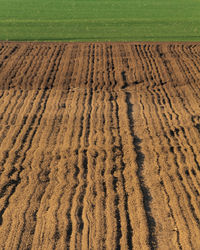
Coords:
pixel 100 20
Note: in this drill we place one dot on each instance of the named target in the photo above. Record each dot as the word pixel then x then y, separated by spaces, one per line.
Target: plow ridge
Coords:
pixel 99 145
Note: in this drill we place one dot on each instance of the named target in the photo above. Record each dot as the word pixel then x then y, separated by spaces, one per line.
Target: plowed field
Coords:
pixel 99 146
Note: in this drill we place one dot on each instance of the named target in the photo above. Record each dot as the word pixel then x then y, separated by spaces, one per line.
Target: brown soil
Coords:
pixel 99 146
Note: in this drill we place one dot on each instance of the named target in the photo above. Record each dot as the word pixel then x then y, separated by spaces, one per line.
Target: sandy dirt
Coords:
pixel 99 146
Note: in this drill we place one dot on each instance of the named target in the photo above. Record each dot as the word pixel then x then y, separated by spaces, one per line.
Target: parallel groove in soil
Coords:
pixel 99 145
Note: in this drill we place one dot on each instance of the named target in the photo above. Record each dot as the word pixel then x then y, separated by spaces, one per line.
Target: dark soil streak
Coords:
pixel 139 160
pixel 114 129
pixel 21 168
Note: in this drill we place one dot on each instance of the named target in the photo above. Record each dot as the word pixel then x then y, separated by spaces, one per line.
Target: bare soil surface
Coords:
pixel 99 146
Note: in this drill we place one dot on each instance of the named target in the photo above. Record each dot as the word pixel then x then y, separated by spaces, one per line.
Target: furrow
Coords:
pixel 18 152
pixel 177 127
pixel 83 157
pixel 154 139
pixel 6 55
pixel 160 120
pixel 113 222
pixel 98 156
pixel 44 213
pixel 55 125
pixel 99 145
pixel 188 133
pixel 27 107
